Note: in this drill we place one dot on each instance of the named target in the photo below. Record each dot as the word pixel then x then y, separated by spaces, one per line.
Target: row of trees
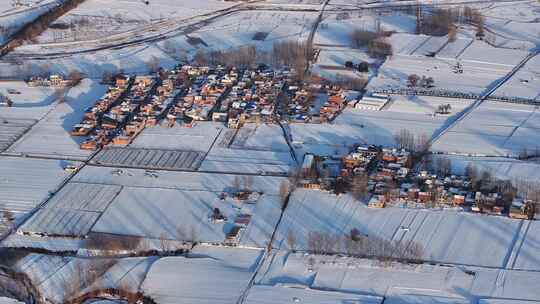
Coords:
pixel 375 42
pixel 358 244
pixel 442 21
pixel 286 53
pixel 414 81
pixel 407 140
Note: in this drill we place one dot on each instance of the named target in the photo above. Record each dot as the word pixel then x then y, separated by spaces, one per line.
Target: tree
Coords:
pixel 412 80
pixel 291 240
pixel 284 191
pixel 75 77
pixel 153 64
pixel 363 67
pixel 405 140
pixel 452 33
pixel 359 186
pixel 236 183
pixel 444 166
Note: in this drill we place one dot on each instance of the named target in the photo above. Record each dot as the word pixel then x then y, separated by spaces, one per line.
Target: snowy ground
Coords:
pixel 98 18
pixel 403 284
pixel 25 183
pixel 216 275
pixel 50 136
pixel 493 129
pixel 251 149
pixel 445 236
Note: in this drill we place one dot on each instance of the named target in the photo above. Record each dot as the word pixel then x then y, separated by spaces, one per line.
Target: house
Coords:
pixel 377 201
pixel 233 236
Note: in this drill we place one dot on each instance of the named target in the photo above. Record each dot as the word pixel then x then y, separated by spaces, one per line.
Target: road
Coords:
pixel 166 29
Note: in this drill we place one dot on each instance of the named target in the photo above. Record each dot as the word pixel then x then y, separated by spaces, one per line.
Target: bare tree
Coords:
pixel 359 186
pixel 248 182
pixel 236 183
pixel 284 191
pixel 291 240
pixel 75 77
pixel 405 139
pixel 164 242
pixel 153 64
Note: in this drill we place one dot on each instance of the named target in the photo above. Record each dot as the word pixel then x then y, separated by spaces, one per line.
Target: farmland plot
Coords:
pixel 25 183
pixel 50 136
pixel 11 130
pixel 398 283
pixel 251 149
pixel 216 275
pixel 493 129
pixel 188 181
pixel 149 158
pixel 446 237
pixel 199 138
pixel 72 211
pixel 476 77
pixel 156 213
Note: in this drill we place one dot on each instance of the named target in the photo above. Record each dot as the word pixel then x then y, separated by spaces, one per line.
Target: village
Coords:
pixel 187 94
pixel 389 177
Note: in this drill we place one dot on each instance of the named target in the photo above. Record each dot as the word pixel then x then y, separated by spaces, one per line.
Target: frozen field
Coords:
pixel 13 19
pixel 11 130
pixel 336 29
pixel 173 180
pixel 50 136
pixel 149 158
pixel 179 215
pixel 445 236
pixel 251 149
pixel 213 275
pixel 425 104
pixel 493 129
pixel 73 211
pixel 261 294
pixel 199 138
pixel 503 168
pixel 477 75
pixel 398 283
pixel 95 19
pixel 31 103
pixel 525 82
pixel 25 183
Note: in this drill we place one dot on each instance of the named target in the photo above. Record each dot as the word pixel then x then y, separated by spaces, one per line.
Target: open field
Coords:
pixel 50 136
pixel 493 129
pixel 25 183
pixel 445 236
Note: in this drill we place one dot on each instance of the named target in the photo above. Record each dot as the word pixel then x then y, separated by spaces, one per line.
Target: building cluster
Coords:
pixel 54 80
pixel 253 99
pixel 130 105
pixel 386 179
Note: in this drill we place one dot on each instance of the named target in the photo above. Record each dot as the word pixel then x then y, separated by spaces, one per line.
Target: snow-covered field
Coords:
pixel 30 103
pixel 493 129
pixel 525 82
pixel 12 19
pixel 98 18
pixel 25 183
pixel 177 215
pixel 251 149
pixel 199 138
pixel 478 73
pixel 50 136
pixel 445 236
pixel 209 275
pixel 336 29
pixel 403 284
